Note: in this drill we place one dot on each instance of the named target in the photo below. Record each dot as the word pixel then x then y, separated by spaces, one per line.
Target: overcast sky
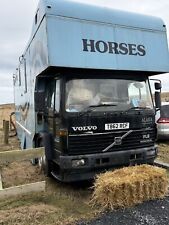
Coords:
pixel 16 17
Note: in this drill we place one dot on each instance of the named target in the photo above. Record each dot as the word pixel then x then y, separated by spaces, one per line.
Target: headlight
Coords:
pixel 78 162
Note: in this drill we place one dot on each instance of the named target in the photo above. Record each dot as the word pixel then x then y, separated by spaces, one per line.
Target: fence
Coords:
pixel 18 155
pixel 5 131
pixel 5 111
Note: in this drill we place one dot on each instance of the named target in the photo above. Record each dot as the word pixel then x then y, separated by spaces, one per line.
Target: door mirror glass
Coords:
pixel 157 86
pixel 158 100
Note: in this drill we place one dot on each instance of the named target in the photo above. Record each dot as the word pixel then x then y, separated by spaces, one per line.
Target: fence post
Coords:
pixel 6 131
pixel 3 125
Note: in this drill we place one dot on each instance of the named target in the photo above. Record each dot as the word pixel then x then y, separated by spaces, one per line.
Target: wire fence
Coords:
pixel 12 142
pixel 5 111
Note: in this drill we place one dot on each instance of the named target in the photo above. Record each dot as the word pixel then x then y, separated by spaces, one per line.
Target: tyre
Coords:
pixel 44 164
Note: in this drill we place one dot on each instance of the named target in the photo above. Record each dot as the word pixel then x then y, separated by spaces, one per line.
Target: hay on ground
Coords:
pixel 129 186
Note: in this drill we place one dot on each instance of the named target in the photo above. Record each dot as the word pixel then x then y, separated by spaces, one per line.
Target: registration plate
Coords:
pixel 116 126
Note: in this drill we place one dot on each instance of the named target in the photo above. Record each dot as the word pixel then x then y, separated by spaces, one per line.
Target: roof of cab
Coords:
pixel 83 11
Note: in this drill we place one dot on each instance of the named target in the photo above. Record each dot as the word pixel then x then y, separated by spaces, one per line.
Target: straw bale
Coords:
pixel 129 186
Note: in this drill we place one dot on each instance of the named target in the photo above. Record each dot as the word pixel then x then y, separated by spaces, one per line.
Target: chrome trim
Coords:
pixel 23 128
pixel 114 143
pixel 115 132
pixel 57 139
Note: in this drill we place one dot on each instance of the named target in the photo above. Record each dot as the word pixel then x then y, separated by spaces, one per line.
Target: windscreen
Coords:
pixel 114 94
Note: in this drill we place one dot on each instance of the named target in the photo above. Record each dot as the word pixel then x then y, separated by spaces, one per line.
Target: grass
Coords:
pixel 69 203
pixel 163 154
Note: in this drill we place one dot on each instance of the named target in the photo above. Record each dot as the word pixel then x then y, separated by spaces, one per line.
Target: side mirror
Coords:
pixel 158 100
pixel 39 101
pixel 157 85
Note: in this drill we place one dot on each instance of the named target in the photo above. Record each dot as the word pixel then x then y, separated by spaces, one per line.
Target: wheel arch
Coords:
pixel 45 139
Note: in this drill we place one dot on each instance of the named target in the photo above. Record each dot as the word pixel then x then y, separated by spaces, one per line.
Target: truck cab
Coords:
pixel 88 98
pixel 98 121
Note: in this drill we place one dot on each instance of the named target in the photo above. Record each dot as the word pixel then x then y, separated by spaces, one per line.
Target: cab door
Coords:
pixel 53 105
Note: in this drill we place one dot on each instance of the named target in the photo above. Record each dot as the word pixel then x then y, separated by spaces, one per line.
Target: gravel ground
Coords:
pixel 148 213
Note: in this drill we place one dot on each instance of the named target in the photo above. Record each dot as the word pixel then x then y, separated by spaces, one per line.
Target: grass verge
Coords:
pixel 60 204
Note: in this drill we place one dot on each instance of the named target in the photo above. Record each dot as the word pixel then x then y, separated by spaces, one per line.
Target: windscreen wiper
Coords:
pixel 137 108
pixel 102 104
pixel 91 108
pixel 87 110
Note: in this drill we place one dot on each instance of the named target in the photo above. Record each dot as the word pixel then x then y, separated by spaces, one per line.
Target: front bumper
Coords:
pixel 96 163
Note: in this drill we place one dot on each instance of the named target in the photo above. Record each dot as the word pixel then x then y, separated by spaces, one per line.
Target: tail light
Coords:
pixel 163 120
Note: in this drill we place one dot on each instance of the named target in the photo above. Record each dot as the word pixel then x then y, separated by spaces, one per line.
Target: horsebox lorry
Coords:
pixel 82 88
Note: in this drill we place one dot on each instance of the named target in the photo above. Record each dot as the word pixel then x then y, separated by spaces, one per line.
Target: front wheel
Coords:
pixel 45 166
pixel 44 163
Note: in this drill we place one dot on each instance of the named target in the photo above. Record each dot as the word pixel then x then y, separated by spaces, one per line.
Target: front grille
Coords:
pixel 88 143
